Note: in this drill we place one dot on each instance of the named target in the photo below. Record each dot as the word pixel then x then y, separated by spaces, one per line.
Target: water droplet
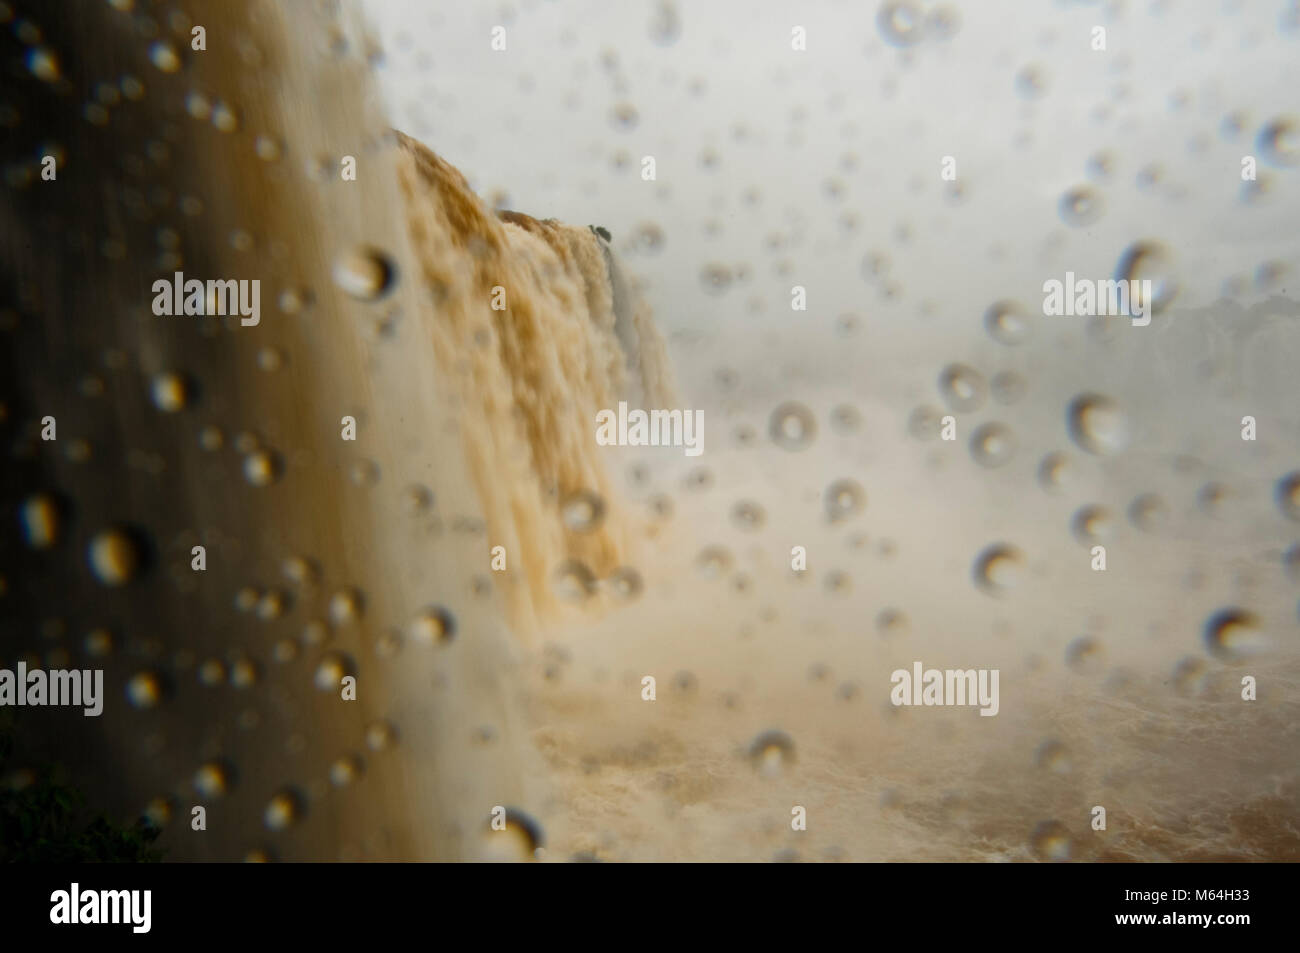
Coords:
pixel 1008 387
pixel 365 273
pixel 891 622
pixel 901 23
pixel 116 556
pixel 661 506
pixel 44 64
pixel 243 673
pixel 1084 655
pixel 363 473
pixel 99 643
pixel 283 810
pixel 716 279
pixel 41 520
pixel 792 426
pixel 263 467
pixel 1148 512
pixel 747 515
pixel 211 438
pixel 998 568
pixel 625 583
pixel 1081 205
pixel 665 25
pixel 211 672
pixel 574 582
pixel 1053 472
pixel 1291 561
pixel 301 571
pixel 923 422
pixel 1279 141
pixel 519 840
pixel 417 499
pixel 844 498
pixel 268 149
pixel 1287 494
pixel 1008 323
pixel 380 736
pixel 213 780
pixel 1053 756
pixel 772 753
pixel 1097 424
pixel 332 669
pixel 433 626
pixel 145 690
pixel 198 106
pixel 943 23
pixel 163 55
pixel 346 770
pixel 346 606
pixel 1092 524
pixel 583 511
pixel 224 117
pixel 1031 82
pixel 992 444
pixel 1050 842
pixel 962 387
pixel 1148 260
pixel 1233 635
pixel 713 562
pixel 169 392
pixel 1189 676
pixel 648 237
pixel 845 419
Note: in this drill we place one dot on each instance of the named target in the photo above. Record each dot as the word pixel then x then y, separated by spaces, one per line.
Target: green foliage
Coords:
pixel 44 821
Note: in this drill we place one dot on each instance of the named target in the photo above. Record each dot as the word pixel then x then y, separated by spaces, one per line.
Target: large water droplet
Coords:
pixel 1233 635
pixel 365 273
pixel 518 838
pixel 332 669
pixel 163 55
pixel 1097 424
pixel 998 568
pixel 116 556
pixel 1092 524
pixel 1148 260
pixel 145 690
pixel 41 521
pixel 772 753
pixel 170 392
pixel 433 626
pixel 263 467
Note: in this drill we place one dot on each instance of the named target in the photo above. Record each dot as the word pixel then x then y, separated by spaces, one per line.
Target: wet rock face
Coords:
pixel 233 519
